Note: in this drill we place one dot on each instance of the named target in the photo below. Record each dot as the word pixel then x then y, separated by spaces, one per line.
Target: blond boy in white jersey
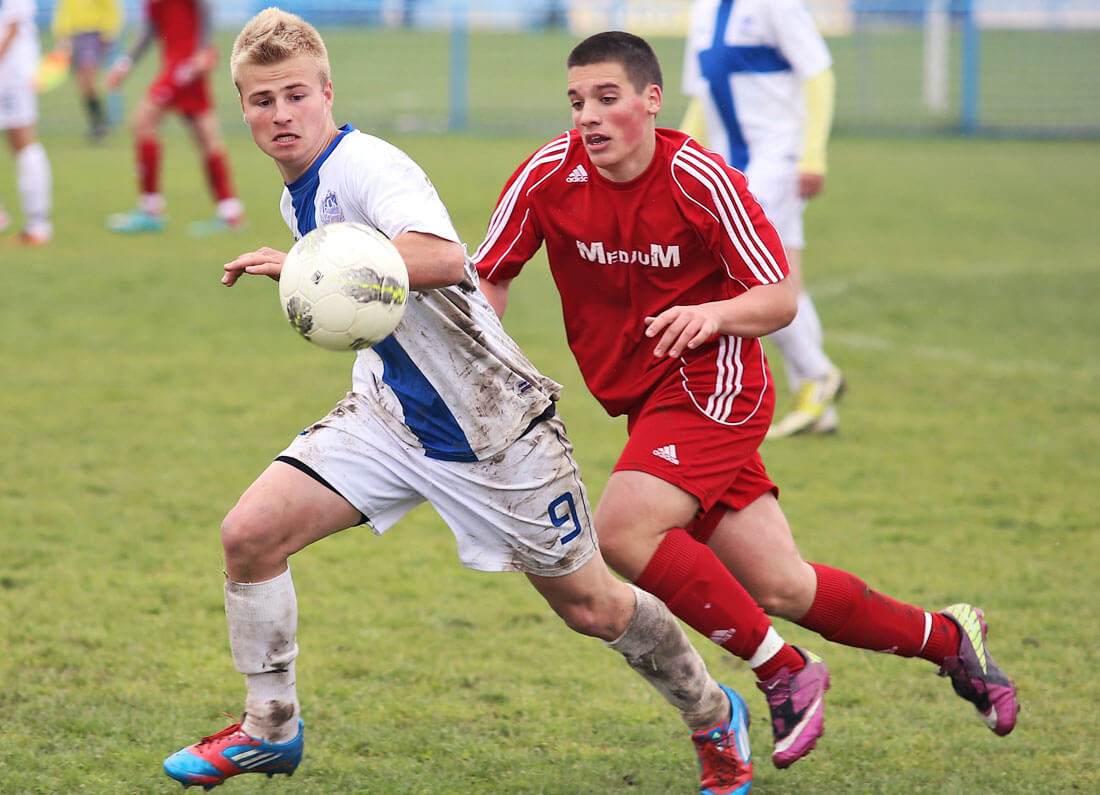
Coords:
pixel 447 410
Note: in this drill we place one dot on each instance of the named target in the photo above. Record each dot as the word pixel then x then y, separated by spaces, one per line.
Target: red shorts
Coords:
pixel 718 464
pixel 185 95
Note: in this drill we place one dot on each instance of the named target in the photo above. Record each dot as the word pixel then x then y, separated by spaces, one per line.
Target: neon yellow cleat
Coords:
pixel 814 408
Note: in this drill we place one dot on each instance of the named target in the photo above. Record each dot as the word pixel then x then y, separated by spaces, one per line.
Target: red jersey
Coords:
pixel 177 24
pixel 686 231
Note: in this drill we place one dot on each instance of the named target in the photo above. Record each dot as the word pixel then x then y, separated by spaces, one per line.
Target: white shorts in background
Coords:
pixel 775 186
pixel 525 509
pixel 18 104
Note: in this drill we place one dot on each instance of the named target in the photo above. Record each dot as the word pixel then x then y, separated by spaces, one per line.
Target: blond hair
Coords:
pixel 273 36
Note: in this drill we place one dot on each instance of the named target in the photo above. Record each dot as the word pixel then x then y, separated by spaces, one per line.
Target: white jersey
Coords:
pixel 449 379
pixel 20 61
pixel 746 60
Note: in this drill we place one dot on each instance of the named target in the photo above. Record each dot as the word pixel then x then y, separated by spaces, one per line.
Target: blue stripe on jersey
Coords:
pixel 426 414
pixel 303 191
pixel 722 60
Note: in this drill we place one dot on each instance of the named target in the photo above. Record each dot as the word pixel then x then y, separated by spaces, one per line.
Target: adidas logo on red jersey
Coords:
pixel 577 175
pixel 668 452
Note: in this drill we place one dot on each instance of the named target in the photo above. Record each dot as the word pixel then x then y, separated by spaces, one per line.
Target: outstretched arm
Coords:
pixel 432 261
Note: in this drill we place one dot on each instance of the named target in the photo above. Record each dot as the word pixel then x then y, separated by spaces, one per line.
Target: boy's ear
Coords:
pixel 653 98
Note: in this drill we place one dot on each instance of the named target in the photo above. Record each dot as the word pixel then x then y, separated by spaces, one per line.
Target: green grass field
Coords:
pixel 957 281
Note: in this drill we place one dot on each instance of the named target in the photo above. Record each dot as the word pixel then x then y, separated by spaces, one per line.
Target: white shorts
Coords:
pixel 775 186
pixel 18 104
pixel 525 509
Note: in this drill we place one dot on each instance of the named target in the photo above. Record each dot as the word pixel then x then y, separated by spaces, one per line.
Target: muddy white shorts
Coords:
pixel 525 509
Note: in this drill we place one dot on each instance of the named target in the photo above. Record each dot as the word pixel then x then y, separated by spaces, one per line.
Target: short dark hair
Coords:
pixel 633 52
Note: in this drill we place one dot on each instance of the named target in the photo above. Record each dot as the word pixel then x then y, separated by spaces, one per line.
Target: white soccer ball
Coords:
pixel 344 286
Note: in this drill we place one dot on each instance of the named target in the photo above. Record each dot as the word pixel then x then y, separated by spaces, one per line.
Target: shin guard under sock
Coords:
pixel 689 578
pixel 845 610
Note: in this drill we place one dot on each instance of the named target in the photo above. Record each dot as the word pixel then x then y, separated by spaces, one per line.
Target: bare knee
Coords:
pixel 249 545
pixel 603 613
pixel 626 542
pixel 787 596
pixel 584 618
pixel 616 544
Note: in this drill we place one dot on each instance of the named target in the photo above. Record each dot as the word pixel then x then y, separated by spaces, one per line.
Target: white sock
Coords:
pixel 801 345
pixel 768 648
pixel 654 645
pixel 229 209
pixel 151 203
pixel 34 180
pixel 263 627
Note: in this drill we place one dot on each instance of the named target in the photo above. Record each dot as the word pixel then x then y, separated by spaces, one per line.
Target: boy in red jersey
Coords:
pixel 182 27
pixel 669 272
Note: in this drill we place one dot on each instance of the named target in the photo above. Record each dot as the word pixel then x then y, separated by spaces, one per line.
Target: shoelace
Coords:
pixel 712 753
pixel 236 727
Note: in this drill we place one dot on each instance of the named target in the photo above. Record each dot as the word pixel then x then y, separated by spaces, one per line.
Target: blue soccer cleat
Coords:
pixel 724 755
pixel 135 222
pixel 231 752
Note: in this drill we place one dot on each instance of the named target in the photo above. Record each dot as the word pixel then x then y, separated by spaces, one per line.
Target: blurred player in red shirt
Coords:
pixel 182 27
pixel 669 273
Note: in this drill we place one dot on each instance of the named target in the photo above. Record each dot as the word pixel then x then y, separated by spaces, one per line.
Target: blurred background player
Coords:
pixel 89 29
pixel 19 53
pixel 183 29
pixel 418 426
pixel 762 81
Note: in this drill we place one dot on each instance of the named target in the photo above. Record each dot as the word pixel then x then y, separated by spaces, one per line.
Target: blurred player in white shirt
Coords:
pixel 19 53
pixel 762 82
pixel 446 410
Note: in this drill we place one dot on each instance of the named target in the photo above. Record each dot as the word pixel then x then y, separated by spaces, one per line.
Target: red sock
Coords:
pixel 846 611
pixel 217 174
pixel 148 162
pixel 688 577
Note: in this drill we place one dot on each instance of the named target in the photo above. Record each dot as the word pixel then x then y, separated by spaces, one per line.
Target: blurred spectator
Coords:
pixel 88 29
pixel 19 53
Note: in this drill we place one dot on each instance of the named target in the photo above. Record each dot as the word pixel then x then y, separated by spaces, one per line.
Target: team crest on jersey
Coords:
pixel 330 209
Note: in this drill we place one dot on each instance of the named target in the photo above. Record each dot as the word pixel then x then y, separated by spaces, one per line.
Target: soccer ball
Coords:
pixel 344 286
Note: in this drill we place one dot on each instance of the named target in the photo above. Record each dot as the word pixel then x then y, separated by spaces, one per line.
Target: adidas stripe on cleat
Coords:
pixel 231 752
